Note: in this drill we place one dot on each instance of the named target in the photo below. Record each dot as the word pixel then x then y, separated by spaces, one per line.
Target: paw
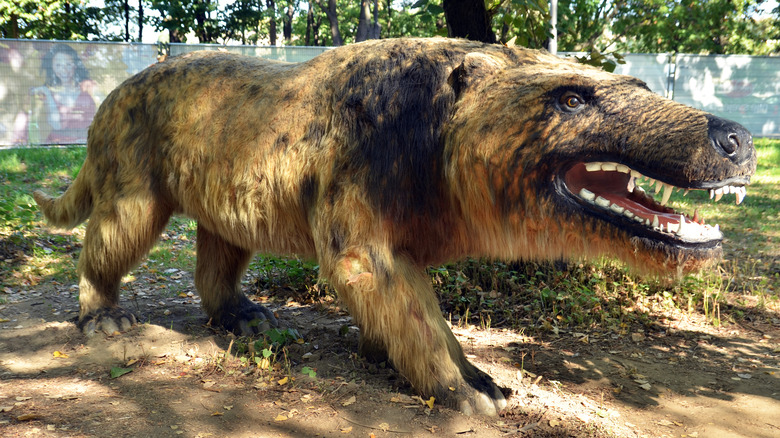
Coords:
pixel 109 320
pixel 481 396
pixel 247 319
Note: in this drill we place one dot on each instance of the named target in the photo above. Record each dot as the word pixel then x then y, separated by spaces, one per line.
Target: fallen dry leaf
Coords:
pixel 430 401
pixel 58 353
pixel 346 429
pixel 349 401
pixel 282 381
pixel 280 417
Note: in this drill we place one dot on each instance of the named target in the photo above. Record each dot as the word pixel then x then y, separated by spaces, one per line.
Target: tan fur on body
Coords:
pixel 377 159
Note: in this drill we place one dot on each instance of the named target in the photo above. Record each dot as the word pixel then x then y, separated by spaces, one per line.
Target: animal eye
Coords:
pixel 571 101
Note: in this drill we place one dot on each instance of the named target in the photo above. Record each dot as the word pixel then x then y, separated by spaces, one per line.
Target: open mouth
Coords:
pixel 611 190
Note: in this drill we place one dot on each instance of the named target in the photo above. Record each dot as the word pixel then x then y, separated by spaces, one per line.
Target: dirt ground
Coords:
pixel 680 378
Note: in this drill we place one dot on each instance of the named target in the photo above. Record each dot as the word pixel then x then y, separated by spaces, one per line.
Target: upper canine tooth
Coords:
pixel 631 184
pixel 602 202
pixel 622 168
pixel 593 167
pixel 712 193
pixel 667 194
pixel 741 195
pixel 587 194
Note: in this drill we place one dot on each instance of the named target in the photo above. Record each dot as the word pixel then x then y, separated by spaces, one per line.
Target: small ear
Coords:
pixel 475 66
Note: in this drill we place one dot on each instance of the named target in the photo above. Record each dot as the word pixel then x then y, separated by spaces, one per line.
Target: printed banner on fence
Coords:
pixel 737 87
pixel 49 91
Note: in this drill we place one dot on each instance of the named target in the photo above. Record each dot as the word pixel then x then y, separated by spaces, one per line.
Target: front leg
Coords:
pixel 396 308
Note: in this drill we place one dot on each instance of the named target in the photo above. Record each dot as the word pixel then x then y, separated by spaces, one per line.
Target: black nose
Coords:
pixel 730 139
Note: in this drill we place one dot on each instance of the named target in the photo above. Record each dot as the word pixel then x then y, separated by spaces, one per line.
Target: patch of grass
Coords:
pixel 268 353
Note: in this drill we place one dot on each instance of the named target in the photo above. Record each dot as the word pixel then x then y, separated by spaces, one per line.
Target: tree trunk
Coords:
pixel 271 4
pixel 333 17
pixel 376 29
pixel 201 21
pixel 140 20
pixel 468 19
pixel 127 20
pixel 309 23
pixel 288 19
pixel 364 22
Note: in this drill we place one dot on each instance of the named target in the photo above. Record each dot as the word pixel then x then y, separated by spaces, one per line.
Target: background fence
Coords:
pixel 50 90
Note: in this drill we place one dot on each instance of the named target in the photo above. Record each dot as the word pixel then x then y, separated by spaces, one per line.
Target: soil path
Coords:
pixel 680 379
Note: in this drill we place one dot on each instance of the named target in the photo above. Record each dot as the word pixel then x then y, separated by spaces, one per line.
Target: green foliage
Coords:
pixel 50 19
pixel 525 20
pixel 599 26
pixel 119 372
pixel 265 353
pixel 688 26
pixel 311 372
pixel 607 61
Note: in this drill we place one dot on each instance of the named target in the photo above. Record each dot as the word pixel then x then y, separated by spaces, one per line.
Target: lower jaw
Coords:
pixel 665 258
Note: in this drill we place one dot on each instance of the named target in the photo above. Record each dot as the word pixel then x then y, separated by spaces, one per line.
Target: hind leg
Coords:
pixel 115 241
pixel 218 273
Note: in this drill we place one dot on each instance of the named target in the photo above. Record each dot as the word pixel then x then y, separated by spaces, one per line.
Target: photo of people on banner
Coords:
pixel 62 108
pixel 50 90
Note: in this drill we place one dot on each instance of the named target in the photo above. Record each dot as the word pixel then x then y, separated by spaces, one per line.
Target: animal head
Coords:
pixel 553 151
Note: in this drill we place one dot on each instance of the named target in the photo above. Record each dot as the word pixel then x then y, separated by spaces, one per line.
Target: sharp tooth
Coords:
pixel 622 168
pixel 667 194
pixel 650 183
pixel 609 167
pixel 655 221
pixel 602 202
pixel 631 184
pixel 681 226
pixel 672 227
pixel 593 167
pixel 741 195
pixel 712 193
pixel 718 194
pixel 658 186
pixel 616 208
pixel 587 194
pixel 685 193
pixel 647 222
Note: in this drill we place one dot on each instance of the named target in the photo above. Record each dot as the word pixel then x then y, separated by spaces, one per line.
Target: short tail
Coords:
pixel 70 209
